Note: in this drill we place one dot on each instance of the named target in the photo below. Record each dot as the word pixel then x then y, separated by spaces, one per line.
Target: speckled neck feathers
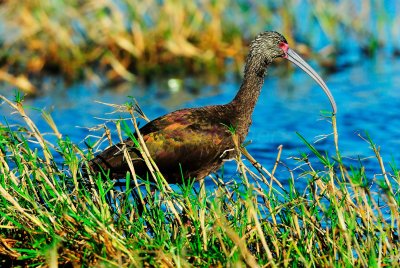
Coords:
pixel 263 50
pixel 246 99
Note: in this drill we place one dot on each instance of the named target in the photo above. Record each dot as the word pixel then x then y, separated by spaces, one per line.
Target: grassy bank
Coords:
pixel 51 215
pixel 122 38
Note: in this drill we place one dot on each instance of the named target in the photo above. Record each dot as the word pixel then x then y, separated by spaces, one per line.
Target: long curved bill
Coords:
pixel 296 59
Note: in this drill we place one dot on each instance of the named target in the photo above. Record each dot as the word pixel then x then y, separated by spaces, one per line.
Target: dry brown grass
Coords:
pixel 125 38
pixel 51 214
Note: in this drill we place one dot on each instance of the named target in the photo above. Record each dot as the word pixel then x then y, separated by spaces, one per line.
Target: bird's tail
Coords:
pixel 111 162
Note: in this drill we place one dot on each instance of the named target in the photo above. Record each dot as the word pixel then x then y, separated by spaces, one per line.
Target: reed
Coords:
pixel 123 39
pixel 51 214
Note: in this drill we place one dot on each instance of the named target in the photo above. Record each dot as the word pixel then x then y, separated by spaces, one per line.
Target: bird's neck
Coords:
pixel 246 99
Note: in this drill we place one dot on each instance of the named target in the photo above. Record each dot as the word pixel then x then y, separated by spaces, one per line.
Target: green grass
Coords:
pixel 50 215
pixel 125 38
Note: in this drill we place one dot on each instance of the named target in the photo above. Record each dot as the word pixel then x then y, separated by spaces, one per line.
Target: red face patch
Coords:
pixel 284 47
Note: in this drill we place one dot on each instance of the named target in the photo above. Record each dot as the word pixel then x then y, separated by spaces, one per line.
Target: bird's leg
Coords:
pixel 250 158
pixel 258 166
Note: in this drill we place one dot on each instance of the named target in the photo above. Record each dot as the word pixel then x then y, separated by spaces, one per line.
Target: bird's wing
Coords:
pixel 184 143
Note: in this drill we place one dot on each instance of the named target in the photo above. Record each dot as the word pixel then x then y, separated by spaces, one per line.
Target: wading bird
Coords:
pixel 192 143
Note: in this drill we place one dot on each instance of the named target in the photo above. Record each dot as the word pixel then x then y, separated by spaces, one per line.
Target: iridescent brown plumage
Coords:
pixel 192 143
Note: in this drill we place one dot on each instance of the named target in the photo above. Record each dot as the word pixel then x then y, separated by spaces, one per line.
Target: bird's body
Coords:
pixel 198 140
pixel 187 143
pixel 192 143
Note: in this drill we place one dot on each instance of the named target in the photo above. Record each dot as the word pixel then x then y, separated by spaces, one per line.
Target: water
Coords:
pixel 367 95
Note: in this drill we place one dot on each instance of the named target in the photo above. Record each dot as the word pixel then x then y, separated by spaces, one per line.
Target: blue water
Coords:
pixel 367 95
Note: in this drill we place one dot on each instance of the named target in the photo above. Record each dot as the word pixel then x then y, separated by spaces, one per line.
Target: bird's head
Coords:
pixel 270 45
